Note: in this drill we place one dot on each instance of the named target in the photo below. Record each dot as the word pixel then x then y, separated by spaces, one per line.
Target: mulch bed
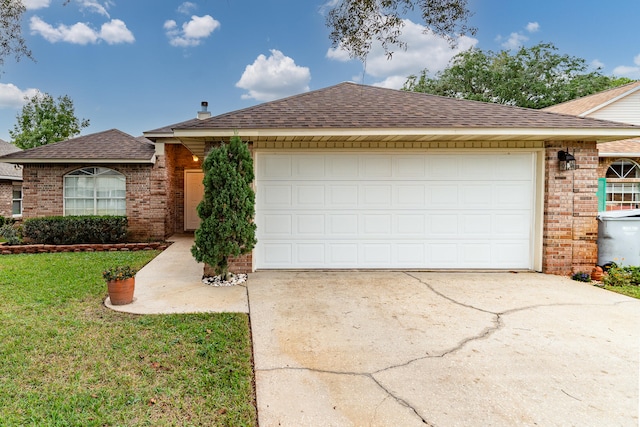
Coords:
pixel 37 249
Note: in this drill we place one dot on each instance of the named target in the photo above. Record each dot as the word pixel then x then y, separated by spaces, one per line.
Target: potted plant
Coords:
pixel 121 282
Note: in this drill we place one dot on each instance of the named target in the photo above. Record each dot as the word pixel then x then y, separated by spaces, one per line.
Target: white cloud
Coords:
pixel 116 31
pixel 630 71
pixel 424 50
pixel 35 4
pixel 13 97
pixel 627 71
pixel 113 32
pixel 596 63
pixel 95 6
pixel 533 27
pixel 514 41
pixel 274 77
pixel 187 7
pixel 192 32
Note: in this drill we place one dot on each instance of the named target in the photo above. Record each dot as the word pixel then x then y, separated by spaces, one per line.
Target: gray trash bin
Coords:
pixel 619 237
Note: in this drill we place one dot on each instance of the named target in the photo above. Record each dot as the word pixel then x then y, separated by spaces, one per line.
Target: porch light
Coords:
pixel 566 161
pixel 195 158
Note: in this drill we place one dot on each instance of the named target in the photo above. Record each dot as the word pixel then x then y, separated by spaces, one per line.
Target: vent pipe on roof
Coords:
pixel 203 113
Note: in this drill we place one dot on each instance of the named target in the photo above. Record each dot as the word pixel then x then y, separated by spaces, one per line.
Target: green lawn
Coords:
pixel 66 360
pixel 628 290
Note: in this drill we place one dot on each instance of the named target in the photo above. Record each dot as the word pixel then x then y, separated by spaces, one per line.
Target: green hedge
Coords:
pixel 70 230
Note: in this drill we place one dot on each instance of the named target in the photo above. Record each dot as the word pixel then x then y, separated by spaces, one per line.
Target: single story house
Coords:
pixel 10 184
pixel 619 161
pixel 354 176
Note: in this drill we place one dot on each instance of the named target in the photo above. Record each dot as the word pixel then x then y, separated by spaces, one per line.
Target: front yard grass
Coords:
pixel 66 360
pixel 628 290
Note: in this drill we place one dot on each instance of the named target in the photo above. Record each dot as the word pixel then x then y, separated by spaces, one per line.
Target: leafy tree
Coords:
pixel 11 40
pixel 227 208
pixel 43 121
pixel 535 77
pixel 354 24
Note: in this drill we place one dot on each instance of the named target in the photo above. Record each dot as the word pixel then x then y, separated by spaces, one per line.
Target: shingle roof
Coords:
pixel 108 146
pixel 350 105
pixel 582 105
pixel 8 171
pixel 630 147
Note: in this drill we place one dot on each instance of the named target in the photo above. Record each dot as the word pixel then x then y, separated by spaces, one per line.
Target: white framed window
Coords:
pixel 94 191
pixel 16 200
pixel 623 185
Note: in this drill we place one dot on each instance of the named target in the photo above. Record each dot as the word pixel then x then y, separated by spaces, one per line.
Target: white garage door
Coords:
pixel 381 210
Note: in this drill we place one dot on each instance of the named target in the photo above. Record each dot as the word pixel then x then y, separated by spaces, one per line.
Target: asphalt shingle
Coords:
pixel 349 105
pixel 108 145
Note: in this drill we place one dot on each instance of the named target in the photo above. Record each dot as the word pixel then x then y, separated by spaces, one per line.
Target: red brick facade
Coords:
pixel 6 197
pixel 570 229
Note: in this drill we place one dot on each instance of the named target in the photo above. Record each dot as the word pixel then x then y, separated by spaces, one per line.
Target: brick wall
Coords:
pixel 6 197
pixel 43 196
pixel 570 228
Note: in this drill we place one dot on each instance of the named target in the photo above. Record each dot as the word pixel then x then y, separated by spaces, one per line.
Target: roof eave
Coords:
pixel 598 134
pixel 78 161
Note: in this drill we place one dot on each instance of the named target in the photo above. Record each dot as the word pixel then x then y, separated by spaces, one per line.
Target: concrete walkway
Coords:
pixel 420 348
pixel 172 283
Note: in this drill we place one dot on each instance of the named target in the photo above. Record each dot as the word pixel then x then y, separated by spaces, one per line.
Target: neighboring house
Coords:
pixel 619 161
pixel 10 184
pixel 355 176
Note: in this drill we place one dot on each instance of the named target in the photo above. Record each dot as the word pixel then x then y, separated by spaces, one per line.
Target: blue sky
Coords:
pixel 137 65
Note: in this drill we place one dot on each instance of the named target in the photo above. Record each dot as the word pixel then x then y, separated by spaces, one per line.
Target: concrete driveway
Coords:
pixel 442 349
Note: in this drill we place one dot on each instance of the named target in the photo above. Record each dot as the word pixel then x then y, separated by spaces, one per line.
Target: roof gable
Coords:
pixel 110 146
pixel 588 104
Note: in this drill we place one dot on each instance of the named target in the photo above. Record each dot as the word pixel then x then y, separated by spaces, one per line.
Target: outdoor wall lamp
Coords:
pixel 566 161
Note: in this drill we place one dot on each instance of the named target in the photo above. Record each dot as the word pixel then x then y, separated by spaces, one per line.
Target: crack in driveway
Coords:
pixel 494 323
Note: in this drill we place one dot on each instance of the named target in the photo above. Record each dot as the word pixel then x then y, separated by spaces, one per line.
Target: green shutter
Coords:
pixel 602 194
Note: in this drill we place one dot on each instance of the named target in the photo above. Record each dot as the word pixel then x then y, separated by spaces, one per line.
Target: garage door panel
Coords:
pixel 443 224
pixel 376 195
pixel 309 196
pixel 273 196
pixel 513 167
pixel 442 168
pixel 342 196
pixel 308 167
pixel 343 254
pixel 277 225
pixel 310 225
pixel 276 167
pixel 311 254
pixel 343 225
pixel 409 196
pixel 376 167
pixel 406 167
pixel 513 196
pixel 277 254
pixel 353 210
pixel 340 167
pixel 442 195
pixel 410 224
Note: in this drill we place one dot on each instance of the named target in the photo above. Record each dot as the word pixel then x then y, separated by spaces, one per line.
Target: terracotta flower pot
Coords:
pixel 597 273
pixel 121 291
